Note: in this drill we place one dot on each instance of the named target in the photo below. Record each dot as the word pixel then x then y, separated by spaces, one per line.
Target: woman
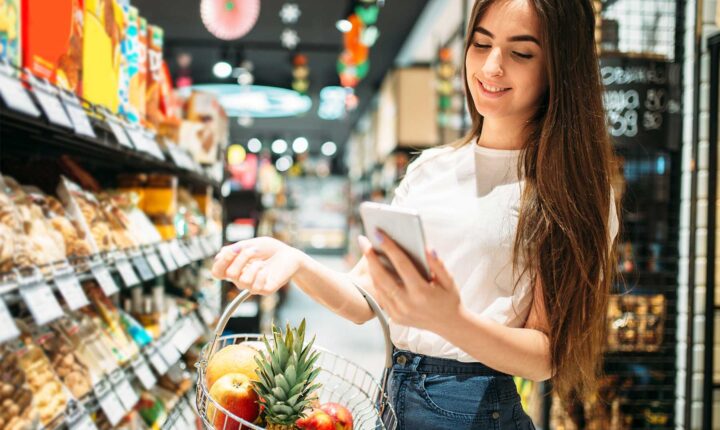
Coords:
pixel 521 217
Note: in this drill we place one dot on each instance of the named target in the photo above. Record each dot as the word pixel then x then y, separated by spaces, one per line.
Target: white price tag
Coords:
pixel 119 133
pixel 111 406
pixel 166 255
pixel 84 422
pixel 143 268
pixel 127 273
pixel 184 336
pixel 152 146
pixel 169 353
pixel 126 393
pixel 180 257
pixel 136 137
pixel 8 329
pixel 70 289
pixel 16 97
pixel 79 118
pixel 104 278
pixel 155 264
pixel 190 417
pixel 144 374
pixel 53 108
pixel 41 301
pixel 157 362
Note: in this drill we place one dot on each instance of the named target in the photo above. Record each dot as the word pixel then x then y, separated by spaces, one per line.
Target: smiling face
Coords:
pixel 505 64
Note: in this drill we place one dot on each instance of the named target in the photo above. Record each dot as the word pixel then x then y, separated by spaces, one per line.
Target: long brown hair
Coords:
pixel 563 233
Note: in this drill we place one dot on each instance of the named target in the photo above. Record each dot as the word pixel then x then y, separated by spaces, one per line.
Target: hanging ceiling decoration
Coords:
pixel 289 38
pixel 301 73
pixel 229 19
pixel 353 64
pixel 290 13
pixel 445 71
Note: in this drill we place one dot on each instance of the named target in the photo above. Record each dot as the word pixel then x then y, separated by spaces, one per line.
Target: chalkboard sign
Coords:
pixel 642 99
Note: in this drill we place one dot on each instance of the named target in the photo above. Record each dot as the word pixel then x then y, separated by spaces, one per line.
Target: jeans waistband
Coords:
pixel 424 363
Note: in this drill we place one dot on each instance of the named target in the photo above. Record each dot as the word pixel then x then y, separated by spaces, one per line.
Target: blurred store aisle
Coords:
pixel 361 344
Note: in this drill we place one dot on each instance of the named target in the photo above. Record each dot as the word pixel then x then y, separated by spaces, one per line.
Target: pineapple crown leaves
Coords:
pixel 286 375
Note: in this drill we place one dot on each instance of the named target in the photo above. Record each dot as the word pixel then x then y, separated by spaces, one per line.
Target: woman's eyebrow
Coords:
pixel 520 38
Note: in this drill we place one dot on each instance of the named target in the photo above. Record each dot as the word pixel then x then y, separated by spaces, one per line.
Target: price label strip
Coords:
pixel 184 337
pixel 124 390
pixel 178 254
pixel 50 103
pixel 166 255
pixel 190 417
pixel 127 273
pixel 80 120
pixel 119 132
pixel 142 266
pixel 111 406
pixel 152 146
pixel 104 277
pixel 77 418
pixel 170 354
pixel 154 262
pixel 157 361
pixel 70 288
pixel 144 374
pixel 41 301
pixel 8 329
pixel 14 94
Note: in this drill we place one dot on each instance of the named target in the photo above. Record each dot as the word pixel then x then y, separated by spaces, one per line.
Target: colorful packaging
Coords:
pixel 138 80
pixel 101 53
pixel 131 49
pixel 10 31
pixel 52 41
pixel 123 73
pixel 154 78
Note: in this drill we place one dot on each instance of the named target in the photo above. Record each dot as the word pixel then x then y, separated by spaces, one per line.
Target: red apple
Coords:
pixel 316 420
pixel 340 414
pixel 233 392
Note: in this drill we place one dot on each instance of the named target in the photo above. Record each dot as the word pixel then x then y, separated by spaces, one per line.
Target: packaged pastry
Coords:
pixel 141 229
pixel 109 321
pixel 16 397
pixel 85 338
pixel 46 244
pixel 86 209
pixel 49 395
pixel 76 244
pixel 61 353
pixel 119 223
pixel 10 231
pixel 189 220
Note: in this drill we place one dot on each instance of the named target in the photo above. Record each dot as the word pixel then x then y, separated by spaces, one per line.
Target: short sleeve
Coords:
pixel 402 190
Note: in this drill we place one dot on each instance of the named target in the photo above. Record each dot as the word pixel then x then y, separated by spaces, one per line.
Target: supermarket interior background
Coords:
pixel 138 137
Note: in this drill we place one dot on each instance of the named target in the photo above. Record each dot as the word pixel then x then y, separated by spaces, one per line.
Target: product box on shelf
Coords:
pixel 155 37
pixel 101 52
pixel 10 25
pixel 76 244
pixel 85 208
pixel 637 322
pixel 52 41
pixel 85 338
pixel 124 69
pixel 140 227
pixel 17 411
pixel 207 127
pixel 110 318
pixel 138 80
pixel 119 223
pixel 132 51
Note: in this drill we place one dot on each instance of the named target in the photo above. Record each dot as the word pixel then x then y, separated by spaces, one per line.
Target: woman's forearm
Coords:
pixel 332 289
pixel 520 352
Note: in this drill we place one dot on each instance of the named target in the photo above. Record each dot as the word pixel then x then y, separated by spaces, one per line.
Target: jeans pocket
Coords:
pixel 459 396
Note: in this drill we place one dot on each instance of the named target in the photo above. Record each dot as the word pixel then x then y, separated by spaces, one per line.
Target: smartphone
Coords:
pixel 402 225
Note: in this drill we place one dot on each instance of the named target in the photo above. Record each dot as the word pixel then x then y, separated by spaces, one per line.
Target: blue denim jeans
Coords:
pixel 434 393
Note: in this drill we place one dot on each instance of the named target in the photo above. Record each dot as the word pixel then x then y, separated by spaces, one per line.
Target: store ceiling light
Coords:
pixel 300 145
pixel 329 149
pixel 254 145
pixel 279 146
pixel 343 25
pixel 222 69
pixel 284 163
pixel 258 101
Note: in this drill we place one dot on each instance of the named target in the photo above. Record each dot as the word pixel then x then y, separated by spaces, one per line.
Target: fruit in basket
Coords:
pixel 232 359
pixel 235 393
pixel 340 414
pixel 286 374
pixel 316 420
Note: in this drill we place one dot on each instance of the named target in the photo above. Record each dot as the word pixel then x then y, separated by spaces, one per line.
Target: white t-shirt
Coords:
pixel 469 200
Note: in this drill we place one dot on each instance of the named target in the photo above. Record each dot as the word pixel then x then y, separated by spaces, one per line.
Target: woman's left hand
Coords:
pixel 412 300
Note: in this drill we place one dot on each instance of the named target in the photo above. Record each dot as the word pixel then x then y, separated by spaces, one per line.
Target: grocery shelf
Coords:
pixel 25 135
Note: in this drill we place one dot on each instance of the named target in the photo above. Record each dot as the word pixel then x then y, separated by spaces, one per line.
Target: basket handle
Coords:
pixel 245 294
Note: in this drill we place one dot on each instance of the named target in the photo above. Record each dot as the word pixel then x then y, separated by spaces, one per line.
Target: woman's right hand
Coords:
pixel 261 265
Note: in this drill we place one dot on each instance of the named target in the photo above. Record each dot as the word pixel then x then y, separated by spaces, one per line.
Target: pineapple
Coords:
pixel 285 384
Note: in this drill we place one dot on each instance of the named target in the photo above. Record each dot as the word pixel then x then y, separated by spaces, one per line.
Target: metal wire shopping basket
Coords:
pixel 341 380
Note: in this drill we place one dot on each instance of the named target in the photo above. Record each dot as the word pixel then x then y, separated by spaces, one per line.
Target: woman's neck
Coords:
pixel 503 133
